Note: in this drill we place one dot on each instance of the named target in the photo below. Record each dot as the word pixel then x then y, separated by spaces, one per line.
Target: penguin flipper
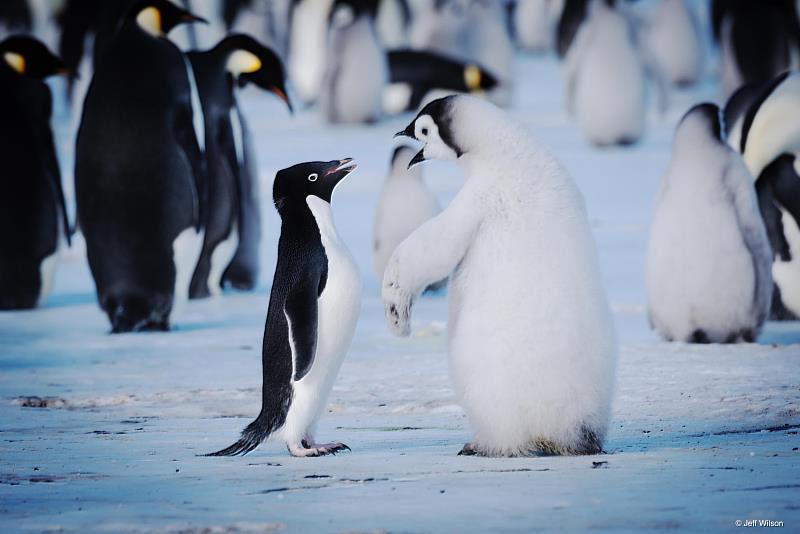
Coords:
pixel 55 174
pixel 301 311
pixel 187 139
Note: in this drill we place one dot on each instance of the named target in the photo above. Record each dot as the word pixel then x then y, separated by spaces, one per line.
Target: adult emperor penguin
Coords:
pixel 139 171
pixel 673 37
pixel 770 144
pixel 357 68
pixel 757 40
pixel 606 78
pixel 313 310
pixel 235 61
pixel 532 344
pixel 708 256
pixel 32 211
pixel 404 205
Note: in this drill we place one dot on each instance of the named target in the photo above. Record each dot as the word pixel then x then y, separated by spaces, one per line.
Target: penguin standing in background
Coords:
pixel 757 40
pixel 33 216
pixel 514 238
pixel 235 61
pixel 673 37
pixel 708 256
pixel 770 144
pixel 139 171
pixel 405 204
pixel 357 68
pixel 535 21
pixel 308 42
pixel 313 310
pixel 606 75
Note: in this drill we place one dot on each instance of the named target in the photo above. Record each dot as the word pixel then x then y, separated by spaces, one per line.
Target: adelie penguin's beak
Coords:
pixel 418 158
pixel 340 169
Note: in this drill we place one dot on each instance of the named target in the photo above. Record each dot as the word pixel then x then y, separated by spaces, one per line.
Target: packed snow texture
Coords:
pixel 102 432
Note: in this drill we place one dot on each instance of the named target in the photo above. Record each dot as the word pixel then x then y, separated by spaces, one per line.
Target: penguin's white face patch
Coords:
pixel 242 62
pixel 149 19
pixel 427 131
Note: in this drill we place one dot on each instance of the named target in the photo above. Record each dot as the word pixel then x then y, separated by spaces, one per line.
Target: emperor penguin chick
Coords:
pixel 708 257
pixel 532 344
pixel 313 310
pixel 357 68
pixel 404 205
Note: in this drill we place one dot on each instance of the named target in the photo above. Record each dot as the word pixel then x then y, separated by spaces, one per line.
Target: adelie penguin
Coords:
pixel 33 216
pixel 313 309
pixel 139 171
pixel 357 68
pixel 708 256
pixel 233 217
pixel 770 143
pixel 531 340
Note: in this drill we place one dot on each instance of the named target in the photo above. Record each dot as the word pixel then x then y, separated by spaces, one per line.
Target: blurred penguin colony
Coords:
pixel 167 188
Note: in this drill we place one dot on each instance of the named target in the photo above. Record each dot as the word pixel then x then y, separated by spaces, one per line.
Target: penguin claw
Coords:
pixel 306 449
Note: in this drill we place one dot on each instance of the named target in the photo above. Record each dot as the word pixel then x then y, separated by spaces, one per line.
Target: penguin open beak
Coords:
pixel 418 158
pixel 341 168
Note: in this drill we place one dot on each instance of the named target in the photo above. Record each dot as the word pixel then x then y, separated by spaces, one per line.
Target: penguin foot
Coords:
pixel 307 448
pixel 470 449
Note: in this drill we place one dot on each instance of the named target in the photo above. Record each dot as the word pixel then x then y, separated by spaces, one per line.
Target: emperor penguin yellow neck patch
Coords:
pixel 149 19
pixel 242 62
pixel 15 61
pixel 472 78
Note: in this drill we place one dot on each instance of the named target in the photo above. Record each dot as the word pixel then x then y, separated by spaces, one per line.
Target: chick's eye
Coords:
pixel 313 177
pixel 424 131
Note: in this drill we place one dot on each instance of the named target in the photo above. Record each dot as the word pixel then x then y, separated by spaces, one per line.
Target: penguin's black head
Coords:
pixel 433 127
pixel 29 57
pixel 248 61
pixel 159 17
pixel 317 178
pixel 703 117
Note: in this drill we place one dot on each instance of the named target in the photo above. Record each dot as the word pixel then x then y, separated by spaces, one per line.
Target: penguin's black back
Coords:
pixel 138 170
pixel 32 202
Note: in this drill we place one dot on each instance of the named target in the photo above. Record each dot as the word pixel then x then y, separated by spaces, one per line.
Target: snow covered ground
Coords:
pixel 701 436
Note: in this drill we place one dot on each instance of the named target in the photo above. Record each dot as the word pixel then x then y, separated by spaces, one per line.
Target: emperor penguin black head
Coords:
pixel 318 178
pixel 251 62
pixel 29 57
pixel 704 118
pixel 159 17
pixel 433 126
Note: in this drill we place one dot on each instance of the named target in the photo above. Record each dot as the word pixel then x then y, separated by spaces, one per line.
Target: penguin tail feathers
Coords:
pixel 252 436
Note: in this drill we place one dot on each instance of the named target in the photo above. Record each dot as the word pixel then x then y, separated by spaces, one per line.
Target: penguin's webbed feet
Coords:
pixel 470 449
pixel 309 449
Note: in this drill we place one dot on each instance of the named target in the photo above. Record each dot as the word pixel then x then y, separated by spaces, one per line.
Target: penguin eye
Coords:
pixel 313 177
pixel 424 131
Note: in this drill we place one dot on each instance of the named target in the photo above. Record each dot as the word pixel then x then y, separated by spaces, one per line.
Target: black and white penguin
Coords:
pixel 313 310
pixel 514 238
pixel 32 211
pixel 235 61
pixel 405 204
pixel 770 144
pixel 414 74
pixel 708 256
pixel 357 68
pixel 757 40
pixel 139 171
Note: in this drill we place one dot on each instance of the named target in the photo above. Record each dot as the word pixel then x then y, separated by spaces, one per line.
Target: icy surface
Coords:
pixel 701 435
